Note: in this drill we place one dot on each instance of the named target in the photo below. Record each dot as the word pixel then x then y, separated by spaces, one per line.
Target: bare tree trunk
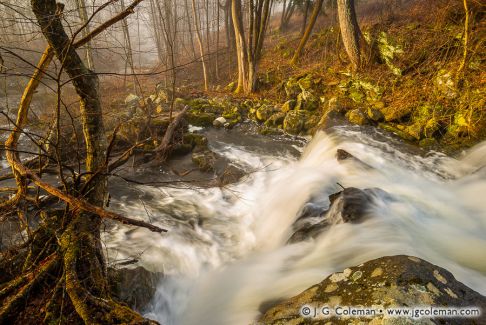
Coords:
pixel 85 228
pixel 155 27
pixel 304 21
pixel 201 46
pixel 83 15
pixel 287 14
pixel 465 40
pixel 241 50
pixel 249 54
pixel 308 31
pixel 189 26
pixel 217 38
pixel 128 49
pixel 208 39
pixel 350 31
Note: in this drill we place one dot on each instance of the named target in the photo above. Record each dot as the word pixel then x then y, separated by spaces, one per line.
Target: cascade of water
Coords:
pixel 226 252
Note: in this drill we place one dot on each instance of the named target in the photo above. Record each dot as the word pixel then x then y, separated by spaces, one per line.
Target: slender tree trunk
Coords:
pixel 201 46
pixel 83 15
pixel 128 49
pixel 217 38
pixel 350 31
pixel 465 40
pixel 308 31
pixel 241 50
pixel 155 26
pixel 304 21
pixel 208 39
pixel 83 228
pixel 189 28
pixel 249 53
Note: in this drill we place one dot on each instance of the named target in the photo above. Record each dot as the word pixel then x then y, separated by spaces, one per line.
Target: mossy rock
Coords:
pixel 340 104
pixel 275 120
pixel 270 131
pixel 358 117
pixel 134 129
pixel 308 83
pixel 264 112
pixel 307 101
pixel 415 130
pixel 292 88
pixel 295 121
pixel 429 143
pixel 195 140
pixel 311 123
pixel 198 118
pixel 204 159
pixel 375 114
pixel 386 282
pixel 397 131
pixel 397 114
pixel 288 105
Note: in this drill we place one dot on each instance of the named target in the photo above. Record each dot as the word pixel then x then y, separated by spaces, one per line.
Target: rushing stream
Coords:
pixel 225 253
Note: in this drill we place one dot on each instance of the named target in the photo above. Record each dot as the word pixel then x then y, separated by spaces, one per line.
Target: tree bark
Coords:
pixel 350 31
pixel 83 15
pixel 308 31
pixel 84 269
pixel 306 13
pixel 249 51
pixel 200 42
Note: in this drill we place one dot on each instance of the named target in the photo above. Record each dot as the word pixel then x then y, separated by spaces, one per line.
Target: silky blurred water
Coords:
pixel 226 253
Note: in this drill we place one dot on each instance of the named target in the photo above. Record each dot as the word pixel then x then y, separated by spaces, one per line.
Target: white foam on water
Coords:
pixel 226 253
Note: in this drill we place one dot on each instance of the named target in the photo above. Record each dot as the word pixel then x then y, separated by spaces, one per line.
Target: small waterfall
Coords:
pixel 226 251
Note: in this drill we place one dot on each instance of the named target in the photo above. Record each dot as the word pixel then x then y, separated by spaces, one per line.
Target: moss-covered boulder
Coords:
pixel 204 159
pixel 397 114
pixel 288 105
pixel 375 114
pixel 307 101
pixel 400 132
pixel 339 104
pixel 415 130
pixel 294 122
pixel 195 140
pixel 387 282
pixel 358 117
pixel 275 120
pixel 292 88
pixel 264 112
pixel 199 118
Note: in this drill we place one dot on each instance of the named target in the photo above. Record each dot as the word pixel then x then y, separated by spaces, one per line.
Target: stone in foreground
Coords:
pixel 393 281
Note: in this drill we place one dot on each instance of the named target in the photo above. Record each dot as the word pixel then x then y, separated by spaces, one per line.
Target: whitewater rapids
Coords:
pixel 225 253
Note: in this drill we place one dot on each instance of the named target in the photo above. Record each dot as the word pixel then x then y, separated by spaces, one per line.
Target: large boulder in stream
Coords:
pixel 349 205
pixel 380 284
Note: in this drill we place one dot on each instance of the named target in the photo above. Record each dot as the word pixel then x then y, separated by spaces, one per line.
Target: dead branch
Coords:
pixel 163 149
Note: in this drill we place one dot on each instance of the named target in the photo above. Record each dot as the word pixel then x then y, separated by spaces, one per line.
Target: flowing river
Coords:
pixel 226 251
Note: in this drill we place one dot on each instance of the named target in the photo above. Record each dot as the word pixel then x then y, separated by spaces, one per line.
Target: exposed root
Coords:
pixel 17 291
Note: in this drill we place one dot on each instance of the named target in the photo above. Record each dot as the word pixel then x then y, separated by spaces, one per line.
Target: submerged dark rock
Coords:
pixel 350 205
pixel 135 287
pixel 387 282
